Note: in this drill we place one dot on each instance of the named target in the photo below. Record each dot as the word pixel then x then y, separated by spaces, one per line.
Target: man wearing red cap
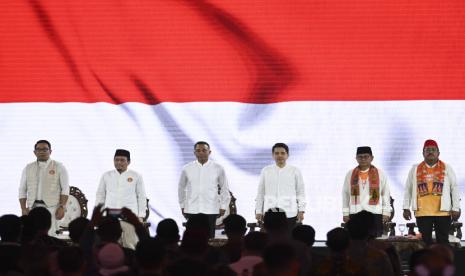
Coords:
pixel 431 191
pixel 366 189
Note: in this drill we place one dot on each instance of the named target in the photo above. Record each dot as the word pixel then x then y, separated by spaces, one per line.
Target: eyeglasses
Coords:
pixel 430 150
pixel 366 156
pixel 41 149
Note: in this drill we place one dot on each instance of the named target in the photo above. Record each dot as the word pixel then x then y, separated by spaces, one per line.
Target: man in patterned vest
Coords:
pixel 431 191
pixel 44 183
pixel 366 189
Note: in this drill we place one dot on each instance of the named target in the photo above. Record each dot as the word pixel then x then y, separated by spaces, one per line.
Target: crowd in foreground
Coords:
pixel 94 248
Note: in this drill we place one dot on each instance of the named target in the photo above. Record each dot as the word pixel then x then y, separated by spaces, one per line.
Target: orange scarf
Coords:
pixel 439 171
pixel 373 177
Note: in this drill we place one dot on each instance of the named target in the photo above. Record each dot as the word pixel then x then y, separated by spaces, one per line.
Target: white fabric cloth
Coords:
pixel 122 190
pixel 198 188
pixel 37 178
pixel 281 188
pixel 450 199
pixel 384 204
pixel 129 237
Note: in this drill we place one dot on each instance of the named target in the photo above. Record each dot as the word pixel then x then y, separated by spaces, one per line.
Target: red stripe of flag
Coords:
pixel 240 51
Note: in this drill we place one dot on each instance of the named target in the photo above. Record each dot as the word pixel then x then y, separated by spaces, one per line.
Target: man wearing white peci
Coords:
pixel 123 188
pixel 281 186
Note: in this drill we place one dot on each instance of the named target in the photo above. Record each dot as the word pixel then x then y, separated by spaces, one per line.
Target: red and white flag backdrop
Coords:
pixel 156 76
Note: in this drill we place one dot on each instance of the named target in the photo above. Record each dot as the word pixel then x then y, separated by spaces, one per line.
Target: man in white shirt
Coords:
pixel 44 183
pixel 281 186
pixel 366 189
pixel 203 187
pixel 123 188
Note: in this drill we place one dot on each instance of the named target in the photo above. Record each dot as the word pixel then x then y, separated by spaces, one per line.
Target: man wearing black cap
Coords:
pixel 366 188
pixel 431 191
pixel 122 187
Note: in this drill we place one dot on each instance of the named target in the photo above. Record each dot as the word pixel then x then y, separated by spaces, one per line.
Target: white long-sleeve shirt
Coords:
pixel 198 188
pixel 450 198
pixel 122 190
pixel 42 166
pixel 384 204
pixel 281 188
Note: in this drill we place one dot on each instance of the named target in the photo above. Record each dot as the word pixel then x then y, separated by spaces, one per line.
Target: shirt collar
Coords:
pixel 46 162
pixel 117 172
pixel 205 164
pixel 279 168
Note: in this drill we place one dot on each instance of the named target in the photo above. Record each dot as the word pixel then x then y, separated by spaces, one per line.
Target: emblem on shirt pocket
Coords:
pixel 130 179
pixel 51 172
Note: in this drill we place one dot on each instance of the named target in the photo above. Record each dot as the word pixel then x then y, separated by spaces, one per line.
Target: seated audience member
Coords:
pixel 338 263
pixel 234 228
pixel 71 261
pixel 109 230
pixel 187 267
pixel 10 248
pixel 194 242
pixel 150 257
pixel 168 233
pixel 27 233
pixel 76 228
pixel 445 251
pixel 278 259
pixel 390 251
pixel 35 259
pixel 276 226
pixel 220 270
pixel 195 239
pixel 361 227
pixel 305 234
pixel 41 220
pixel 254 246
pixel 111 260
pixel 430 262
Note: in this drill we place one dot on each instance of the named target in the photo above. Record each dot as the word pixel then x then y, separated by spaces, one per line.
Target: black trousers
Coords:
pixel 378 230
pixel 211 223
pixel 441 228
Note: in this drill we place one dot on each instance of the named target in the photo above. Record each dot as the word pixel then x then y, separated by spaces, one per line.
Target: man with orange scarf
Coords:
pixel 431 191
pixel 366 188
